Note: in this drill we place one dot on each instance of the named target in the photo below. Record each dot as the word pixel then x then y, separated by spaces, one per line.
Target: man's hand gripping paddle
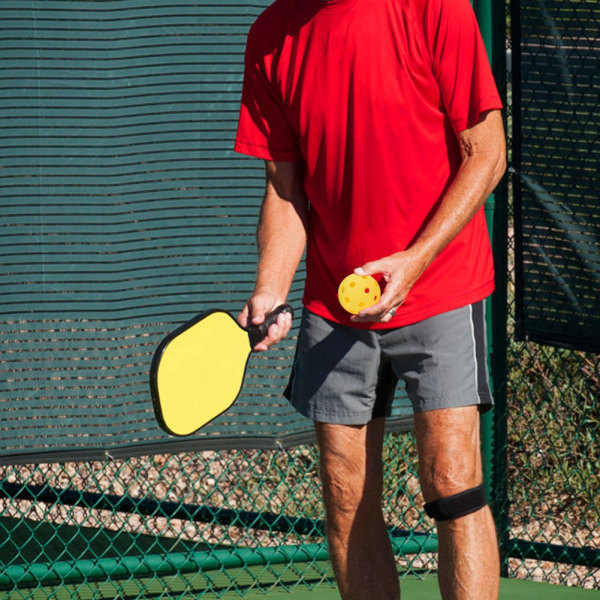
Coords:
pixel 198 370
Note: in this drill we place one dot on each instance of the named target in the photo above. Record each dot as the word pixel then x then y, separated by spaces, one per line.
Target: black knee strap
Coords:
pixel 458 505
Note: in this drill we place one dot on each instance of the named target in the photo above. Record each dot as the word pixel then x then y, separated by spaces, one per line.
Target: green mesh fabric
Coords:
pixel 557 158
pixel 125 212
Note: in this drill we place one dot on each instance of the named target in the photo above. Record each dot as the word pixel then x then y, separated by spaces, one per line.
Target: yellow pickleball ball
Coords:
pixel 357 292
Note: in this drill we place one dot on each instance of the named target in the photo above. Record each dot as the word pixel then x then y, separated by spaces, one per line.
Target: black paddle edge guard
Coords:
pixel 402 424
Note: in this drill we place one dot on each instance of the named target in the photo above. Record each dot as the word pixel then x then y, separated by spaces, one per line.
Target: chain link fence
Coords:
pixel 195 523
pixel 551 521
pixel 553 483
pixel 212 522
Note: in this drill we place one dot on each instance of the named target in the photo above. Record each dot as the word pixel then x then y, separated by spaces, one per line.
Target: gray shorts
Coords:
pixel 348 376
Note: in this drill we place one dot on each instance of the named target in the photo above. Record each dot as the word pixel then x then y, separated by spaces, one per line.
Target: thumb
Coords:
pixel 259 306
pixel 370 268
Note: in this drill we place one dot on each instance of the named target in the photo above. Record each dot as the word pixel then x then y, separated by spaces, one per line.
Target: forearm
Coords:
pixel 281 239
pixel 482 167
pixel 479 174
pixel 281 234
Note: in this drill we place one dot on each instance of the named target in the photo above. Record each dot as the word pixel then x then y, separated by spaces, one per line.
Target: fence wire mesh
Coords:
pixel 552 518
pixel 552 451
pixel 204 523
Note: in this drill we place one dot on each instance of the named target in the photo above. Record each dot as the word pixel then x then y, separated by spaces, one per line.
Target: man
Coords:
pixel 379 123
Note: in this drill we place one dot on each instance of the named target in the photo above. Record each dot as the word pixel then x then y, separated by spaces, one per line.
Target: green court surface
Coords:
pixel 241 583
pixel 414 588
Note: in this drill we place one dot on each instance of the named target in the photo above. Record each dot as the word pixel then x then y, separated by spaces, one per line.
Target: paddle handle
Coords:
pixel 257 333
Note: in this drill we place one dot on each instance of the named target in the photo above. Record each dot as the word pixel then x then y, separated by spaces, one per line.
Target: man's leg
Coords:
pixel 359 545
pixel 449 463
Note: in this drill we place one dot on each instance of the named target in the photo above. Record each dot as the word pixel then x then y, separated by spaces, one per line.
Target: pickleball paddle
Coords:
pixel 198 370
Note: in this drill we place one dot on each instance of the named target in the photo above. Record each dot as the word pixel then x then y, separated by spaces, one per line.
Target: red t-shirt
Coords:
pixel 369 95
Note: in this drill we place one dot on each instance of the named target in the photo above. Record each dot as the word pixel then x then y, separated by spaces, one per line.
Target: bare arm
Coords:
pixel 483 164
pixel 281 241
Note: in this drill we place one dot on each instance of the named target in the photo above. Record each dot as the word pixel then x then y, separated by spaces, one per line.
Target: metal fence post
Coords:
pixel 491 15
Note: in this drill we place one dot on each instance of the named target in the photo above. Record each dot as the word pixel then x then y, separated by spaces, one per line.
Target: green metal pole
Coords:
pixel 491 16
pixel 483 10
pixel 178 563
pixel 500 308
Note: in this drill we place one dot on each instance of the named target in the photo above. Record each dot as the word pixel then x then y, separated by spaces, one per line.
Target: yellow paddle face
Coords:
pixel 200 373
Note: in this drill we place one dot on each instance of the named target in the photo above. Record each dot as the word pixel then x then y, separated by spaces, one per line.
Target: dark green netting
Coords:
pixel 557 156
pixel 124 213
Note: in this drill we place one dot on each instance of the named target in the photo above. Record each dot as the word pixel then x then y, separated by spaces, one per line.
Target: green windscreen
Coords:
pixel 125 212
pixel 557 111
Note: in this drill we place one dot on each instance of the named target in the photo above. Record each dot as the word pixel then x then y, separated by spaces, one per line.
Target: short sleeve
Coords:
pixel 460 61
pixel 263 129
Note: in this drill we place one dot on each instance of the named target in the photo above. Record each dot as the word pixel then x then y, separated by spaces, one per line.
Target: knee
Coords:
pixel 443 476
pixel 452 490
pixel 347 492
pixel 449 459
pixel 351 471
pixel 342 489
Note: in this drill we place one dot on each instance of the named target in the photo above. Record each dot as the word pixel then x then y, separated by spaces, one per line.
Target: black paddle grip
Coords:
pixel 257 333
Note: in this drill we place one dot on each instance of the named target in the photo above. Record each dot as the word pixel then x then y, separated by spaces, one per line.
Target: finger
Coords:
pixel 373 313
pixel 271 338
pixel 276 332
pixel 382 316
pixel 383 311
pixel 284 323
pixel 257 312
pixel 389 315
pixel 280 329
pixel 254 311
pixel 243 316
